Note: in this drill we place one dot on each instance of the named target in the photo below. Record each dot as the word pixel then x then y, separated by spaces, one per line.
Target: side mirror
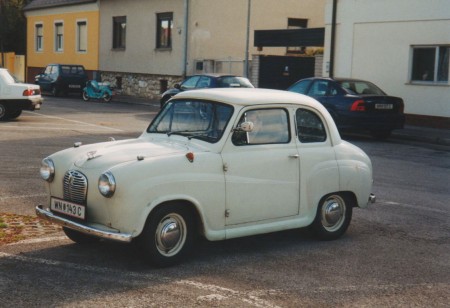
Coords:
pixel 177 86
pixel 245 127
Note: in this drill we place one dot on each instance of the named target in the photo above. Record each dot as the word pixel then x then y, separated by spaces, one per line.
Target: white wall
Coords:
pixel 373 42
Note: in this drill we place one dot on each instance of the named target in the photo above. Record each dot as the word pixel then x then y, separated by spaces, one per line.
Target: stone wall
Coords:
pixel 140 85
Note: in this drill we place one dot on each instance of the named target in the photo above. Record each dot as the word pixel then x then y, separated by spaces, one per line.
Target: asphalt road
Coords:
pixel 396 253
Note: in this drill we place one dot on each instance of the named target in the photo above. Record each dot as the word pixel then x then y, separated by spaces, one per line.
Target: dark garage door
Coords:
pixel 279 72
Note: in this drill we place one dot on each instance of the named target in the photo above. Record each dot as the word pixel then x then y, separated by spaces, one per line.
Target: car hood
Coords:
pixel 110 154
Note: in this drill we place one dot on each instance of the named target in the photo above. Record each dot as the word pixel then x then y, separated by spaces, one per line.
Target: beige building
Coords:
pixel 147 45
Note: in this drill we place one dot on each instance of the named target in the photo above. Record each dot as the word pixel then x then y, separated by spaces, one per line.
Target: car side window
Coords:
pixel 190 83
pixel 310 127
pixel 319 88
pixel 204 82
pixel 301 86
pixel 270 126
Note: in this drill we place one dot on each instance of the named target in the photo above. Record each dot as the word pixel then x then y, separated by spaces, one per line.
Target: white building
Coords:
pixel 401 45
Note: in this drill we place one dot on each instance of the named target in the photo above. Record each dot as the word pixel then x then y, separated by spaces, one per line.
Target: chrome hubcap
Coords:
pixel 170 234
pixel 333 213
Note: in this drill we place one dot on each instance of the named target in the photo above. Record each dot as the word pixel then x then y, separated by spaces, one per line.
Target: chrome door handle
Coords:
pixel 294 156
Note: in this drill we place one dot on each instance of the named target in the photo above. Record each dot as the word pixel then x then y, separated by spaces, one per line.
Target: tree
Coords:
pixel 12 26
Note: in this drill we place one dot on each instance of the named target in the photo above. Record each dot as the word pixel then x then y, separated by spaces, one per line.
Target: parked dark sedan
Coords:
pixel 62 79
pixel 206 81
pixel 355 105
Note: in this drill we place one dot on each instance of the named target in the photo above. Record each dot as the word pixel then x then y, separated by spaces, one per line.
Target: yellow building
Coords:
pixel 62 31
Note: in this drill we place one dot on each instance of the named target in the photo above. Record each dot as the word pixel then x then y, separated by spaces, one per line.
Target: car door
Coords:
pixel 45 79
pixel 319 90
pixel 261 169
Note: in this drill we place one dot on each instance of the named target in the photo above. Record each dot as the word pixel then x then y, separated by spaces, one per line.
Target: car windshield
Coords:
pixel 359 87
pixel 198 119
pixel 234 82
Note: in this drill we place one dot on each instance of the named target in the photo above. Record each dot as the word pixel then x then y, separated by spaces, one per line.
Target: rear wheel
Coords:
pixel 381 135
pixel 168 235
pixel 15 113
pixel 3 112
pixel 107 97
pixel 333 217
pixel 85 96
pixel 79 237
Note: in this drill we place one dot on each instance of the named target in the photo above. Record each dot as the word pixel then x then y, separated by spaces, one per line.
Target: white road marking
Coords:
pixel 75 121
pixel 219 292
pixel 422 208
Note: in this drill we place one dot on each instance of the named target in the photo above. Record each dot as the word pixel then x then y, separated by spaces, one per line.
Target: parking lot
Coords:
pixel 395 253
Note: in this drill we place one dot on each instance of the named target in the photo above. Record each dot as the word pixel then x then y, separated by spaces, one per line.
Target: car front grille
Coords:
pixel 75 187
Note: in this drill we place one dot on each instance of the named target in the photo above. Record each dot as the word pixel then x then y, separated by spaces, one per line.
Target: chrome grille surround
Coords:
pixel 75 187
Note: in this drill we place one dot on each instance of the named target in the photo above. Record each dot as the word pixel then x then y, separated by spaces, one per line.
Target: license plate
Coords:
pixel 68 208
pixel 74 86
pixel 384 106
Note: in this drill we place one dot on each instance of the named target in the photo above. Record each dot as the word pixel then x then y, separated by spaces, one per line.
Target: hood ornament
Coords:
pixel 91 155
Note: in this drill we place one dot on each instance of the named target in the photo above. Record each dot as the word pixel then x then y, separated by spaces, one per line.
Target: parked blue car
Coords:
pixel 94 90
pixel 355 105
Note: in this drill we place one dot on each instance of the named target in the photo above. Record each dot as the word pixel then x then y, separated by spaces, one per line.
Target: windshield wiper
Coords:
pixel 186 133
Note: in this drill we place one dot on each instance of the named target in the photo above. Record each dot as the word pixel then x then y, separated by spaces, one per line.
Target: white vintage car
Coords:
pixel 222 163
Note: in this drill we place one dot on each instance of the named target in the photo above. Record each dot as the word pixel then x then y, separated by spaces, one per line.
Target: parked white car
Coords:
pixel 223 163
pixel 15 97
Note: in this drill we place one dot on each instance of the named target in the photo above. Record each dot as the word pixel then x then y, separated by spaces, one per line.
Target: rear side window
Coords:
pixel 310 127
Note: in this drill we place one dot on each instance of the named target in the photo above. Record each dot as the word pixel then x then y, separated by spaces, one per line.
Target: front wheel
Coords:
pixel 333 217
pixel 85 96
pixel 168 235
pixel 80 238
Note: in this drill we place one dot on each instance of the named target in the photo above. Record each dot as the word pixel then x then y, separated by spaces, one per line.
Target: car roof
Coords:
pixel 257 97
pixel 250 96
pixel 339 79
pixel 217 75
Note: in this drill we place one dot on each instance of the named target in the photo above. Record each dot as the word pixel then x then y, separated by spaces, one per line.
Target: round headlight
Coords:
pixel 107 184
pixel 47 170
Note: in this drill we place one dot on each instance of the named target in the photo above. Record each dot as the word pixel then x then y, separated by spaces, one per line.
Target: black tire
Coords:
pixel 3 112
pixel 80 238
pixel 164 100
pixel 333 216
pixel 55 91
pixel 15 113
pixel 107 97
pixel 381 135
pixel 168 235
pixel 85 96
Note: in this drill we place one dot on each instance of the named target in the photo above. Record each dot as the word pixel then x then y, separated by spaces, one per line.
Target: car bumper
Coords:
pixel 89 230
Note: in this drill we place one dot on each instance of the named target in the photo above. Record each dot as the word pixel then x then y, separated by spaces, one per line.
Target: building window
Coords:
pixel 164 30
pixel 297 23
pixel 430 64
pixel 39 32
pixel 59 36
pixel 119 32
pixel 81 36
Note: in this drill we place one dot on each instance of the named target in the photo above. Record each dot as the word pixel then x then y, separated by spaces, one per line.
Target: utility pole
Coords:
pixel 249 7
pixel 2 3
pixel 333 38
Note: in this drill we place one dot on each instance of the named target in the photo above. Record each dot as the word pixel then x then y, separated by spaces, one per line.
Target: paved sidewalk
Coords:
pixel 408 133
